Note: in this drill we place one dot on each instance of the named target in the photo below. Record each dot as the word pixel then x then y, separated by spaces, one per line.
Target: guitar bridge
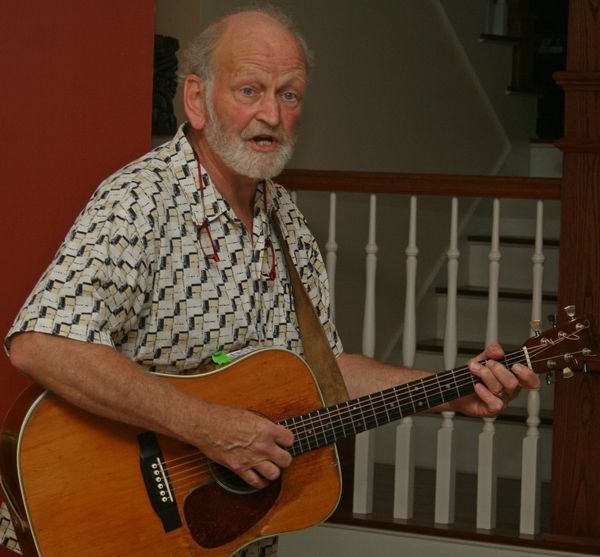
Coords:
pixel 157 482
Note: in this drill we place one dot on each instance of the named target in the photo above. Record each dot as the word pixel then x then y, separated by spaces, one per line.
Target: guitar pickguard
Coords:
pixel 216 516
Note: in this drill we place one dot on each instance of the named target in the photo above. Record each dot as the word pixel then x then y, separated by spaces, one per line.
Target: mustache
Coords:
pixel 255 129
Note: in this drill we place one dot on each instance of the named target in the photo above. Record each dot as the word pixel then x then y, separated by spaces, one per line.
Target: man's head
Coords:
pixel 244 89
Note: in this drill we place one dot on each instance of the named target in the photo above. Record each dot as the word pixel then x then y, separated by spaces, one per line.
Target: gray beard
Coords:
pixel 237 155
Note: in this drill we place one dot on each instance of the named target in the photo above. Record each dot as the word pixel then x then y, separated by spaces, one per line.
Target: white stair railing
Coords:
pixel 404 475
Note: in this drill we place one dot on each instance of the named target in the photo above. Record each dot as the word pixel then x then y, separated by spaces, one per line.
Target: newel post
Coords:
pixel 576 444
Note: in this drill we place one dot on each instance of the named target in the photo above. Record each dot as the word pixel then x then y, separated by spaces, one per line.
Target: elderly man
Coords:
pixel 175 258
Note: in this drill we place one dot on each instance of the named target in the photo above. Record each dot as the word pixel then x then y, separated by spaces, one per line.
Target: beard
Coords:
pixel 235 152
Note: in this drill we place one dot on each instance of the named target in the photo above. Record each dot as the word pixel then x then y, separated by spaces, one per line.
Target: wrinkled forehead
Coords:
pixel 256 38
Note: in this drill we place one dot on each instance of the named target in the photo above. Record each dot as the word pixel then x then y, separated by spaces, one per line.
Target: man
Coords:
pixel 175 258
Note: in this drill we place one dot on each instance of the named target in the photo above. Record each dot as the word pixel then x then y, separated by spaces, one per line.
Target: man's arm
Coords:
pixel 499 386
pixel 100 380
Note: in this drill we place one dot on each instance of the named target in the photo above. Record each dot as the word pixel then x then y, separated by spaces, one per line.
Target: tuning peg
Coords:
pixel 552 319
pixel 536 327
pixel 567 372
pixel 570 311
pixel 585 352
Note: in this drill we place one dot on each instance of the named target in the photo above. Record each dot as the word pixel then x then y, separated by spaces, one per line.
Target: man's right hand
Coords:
pixel 248 444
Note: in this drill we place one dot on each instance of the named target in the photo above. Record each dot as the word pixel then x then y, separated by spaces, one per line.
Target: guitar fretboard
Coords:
pixel 327 425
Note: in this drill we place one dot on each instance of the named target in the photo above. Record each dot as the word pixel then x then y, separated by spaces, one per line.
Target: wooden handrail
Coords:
pixel 422 184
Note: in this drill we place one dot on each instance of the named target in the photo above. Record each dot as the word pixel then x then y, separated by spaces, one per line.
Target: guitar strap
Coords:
pixel 317 351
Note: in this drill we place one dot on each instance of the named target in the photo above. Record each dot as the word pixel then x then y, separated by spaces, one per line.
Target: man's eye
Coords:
pixel 247 91
pixel 290 96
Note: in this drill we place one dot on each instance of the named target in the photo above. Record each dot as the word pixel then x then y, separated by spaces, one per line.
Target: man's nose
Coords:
pixel 269 110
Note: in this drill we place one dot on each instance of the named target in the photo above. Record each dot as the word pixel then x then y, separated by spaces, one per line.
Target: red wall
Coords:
pixel 75 104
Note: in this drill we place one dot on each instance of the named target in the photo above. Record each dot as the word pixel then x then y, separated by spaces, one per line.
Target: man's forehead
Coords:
pixel 253 34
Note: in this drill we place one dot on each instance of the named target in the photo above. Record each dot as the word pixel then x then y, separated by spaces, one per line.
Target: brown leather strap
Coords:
pixel 317 351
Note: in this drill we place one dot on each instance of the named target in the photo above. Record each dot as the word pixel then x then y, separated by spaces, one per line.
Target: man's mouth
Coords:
pixel 263 139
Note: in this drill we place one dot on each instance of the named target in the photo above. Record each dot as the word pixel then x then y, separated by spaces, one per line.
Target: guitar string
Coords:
pixel 320 424
pixel 203 474
pixel 317 421
pixel 429 379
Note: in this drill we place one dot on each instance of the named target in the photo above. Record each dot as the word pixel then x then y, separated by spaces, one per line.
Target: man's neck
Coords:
pixel 237 190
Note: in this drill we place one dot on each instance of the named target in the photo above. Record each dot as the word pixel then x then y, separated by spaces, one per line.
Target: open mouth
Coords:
pixel 263 139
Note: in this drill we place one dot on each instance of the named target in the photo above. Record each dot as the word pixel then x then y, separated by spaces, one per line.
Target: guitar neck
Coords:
pixel 327 425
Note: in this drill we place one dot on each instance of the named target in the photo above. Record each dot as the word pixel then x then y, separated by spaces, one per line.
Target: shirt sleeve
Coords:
pixel 96 284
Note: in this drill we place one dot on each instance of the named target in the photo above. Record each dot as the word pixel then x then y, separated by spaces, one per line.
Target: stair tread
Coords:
pixel 514 240
pixel 507 293
pixel 498 39
pixel 470 347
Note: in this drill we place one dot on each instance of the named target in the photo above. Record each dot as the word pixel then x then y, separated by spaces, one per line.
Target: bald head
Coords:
pixel 198 57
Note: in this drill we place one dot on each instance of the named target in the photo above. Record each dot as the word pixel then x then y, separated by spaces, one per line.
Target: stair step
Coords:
pixel 513 240
pixel 464 347
pixel 504 293
pixel 498 39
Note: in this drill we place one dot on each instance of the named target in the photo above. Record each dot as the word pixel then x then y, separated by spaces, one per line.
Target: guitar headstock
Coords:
pixel 566 348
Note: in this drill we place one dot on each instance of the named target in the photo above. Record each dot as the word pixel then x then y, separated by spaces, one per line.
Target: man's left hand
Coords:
pixel 498 387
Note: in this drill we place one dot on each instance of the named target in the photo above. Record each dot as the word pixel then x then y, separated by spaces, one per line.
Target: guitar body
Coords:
pixel 75 478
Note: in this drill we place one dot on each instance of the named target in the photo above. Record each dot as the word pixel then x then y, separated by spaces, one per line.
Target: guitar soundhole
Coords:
pixel 229 480
pixel 217 515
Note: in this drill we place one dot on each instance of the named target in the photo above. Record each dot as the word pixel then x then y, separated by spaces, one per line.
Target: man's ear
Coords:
pixel 194 101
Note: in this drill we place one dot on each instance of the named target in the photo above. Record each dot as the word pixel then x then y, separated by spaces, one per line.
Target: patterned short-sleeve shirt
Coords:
pixel 159 267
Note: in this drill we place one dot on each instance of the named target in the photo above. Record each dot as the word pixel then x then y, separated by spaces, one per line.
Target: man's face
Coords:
pixel 254 101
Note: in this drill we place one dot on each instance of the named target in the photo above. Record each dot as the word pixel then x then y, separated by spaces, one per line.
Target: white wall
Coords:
pixel 393 90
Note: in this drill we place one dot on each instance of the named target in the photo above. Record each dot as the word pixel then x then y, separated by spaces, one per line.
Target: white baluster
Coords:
pixel 487 473
pixel 331 249
pixel 531 483
pixel 445 473
pixel 368 342
pixel 445 484
pixel 531 475
pixel 450 339
pixel 538 260
pixel 405 459
pixel 500 17
pixel 294 196
pixel 487 476
pixel 365 442
pixel 494 274
pixel 409 341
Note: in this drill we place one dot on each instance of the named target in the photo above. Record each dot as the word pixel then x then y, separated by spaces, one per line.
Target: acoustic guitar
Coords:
pixel 82 486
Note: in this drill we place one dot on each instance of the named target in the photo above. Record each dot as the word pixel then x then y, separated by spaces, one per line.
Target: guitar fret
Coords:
pixel 338 430
pixel 417 391
pixel 448 386
pixel 380 411
pixel 408 408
